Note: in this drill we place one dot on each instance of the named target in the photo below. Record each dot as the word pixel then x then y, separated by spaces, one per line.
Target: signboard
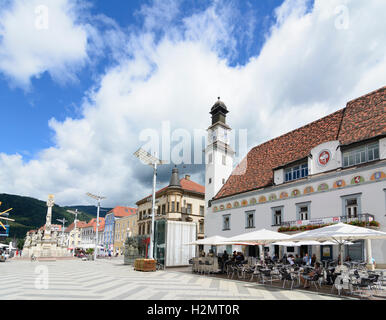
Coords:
pixel 326 252
pixel 4 232
pixel 299 223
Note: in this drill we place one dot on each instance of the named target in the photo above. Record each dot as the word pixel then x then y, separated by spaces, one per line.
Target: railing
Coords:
pixel 363 219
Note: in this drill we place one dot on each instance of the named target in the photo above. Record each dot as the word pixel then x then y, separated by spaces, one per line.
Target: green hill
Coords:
pixel 91 210
pixel 30 213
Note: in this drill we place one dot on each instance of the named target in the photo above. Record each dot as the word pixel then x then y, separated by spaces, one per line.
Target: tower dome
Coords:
pixel 218 112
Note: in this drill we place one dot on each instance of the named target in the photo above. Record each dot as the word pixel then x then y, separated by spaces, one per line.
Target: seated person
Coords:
pixel 224 260
pixel 275 258
pixel 313 260
pixel 290 260
pixel 298 260
pixel 240 257
pixel 310 275
pixel 234 256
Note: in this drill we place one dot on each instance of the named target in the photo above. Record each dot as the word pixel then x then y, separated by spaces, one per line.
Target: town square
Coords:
pixel 185 151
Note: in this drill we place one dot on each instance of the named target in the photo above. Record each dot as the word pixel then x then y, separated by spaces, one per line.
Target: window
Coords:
pixel 210 158
pixel 189 208
pixel 210 180
pixel 226 225
pixel 250 219
pixel 173 206
pixel 296 172
pixel 202 210
pixel 163 209
pixel 178 207
pixel 361 154
pixel 277 217
pixel 201 227
pixel 303 211
pixel 224 160
pixel 352 208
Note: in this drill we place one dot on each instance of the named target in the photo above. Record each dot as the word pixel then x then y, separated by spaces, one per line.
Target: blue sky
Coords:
pixel 78 94
pixel 27 112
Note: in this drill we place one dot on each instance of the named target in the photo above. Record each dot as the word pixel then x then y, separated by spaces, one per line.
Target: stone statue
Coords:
pixel 50 204
pixel 34 238
pixel 39 235
pixel 27 242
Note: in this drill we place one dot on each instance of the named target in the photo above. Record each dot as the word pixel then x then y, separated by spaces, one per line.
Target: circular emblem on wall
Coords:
pixel 357 179
pixel 324 157
pixel 378 176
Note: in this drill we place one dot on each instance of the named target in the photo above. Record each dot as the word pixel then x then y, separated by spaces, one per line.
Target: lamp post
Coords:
pixel 98 198
pixel 153 161
pixel 75 231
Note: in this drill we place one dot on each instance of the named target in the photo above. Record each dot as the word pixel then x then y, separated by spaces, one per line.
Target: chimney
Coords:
pixel 187 176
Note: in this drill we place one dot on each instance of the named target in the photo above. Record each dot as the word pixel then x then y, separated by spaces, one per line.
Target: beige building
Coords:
pixel 124 227
pixel 182 200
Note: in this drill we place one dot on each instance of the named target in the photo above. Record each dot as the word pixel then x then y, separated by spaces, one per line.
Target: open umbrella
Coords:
pixel 261 237
pixel 210 241
pixel 307 243
pixel 339 233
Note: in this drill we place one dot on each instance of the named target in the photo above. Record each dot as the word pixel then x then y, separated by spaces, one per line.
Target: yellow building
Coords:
pixel 182 200
pixel 124 227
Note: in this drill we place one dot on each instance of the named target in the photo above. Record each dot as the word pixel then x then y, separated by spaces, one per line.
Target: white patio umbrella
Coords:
pixel 210 241
pixel 262 237
pixel 339 233
pixel 307 243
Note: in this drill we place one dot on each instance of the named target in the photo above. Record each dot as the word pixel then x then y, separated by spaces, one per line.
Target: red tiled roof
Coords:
pixel 187 185
pixel 92 223
pixel 79 224
pixel 120 211
pixel 190 185
pixel 363 118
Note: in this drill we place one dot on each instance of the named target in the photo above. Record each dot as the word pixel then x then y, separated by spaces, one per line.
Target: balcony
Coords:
pixel 362 220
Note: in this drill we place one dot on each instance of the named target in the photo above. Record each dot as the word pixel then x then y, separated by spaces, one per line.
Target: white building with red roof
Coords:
pixel 331 170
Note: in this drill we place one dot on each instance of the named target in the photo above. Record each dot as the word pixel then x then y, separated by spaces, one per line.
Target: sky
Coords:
pixel 83 83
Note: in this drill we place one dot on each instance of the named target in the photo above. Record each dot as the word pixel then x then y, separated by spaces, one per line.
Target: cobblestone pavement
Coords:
pixel 110 279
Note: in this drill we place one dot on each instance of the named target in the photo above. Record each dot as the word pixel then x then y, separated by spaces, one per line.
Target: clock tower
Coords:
pixel 218 153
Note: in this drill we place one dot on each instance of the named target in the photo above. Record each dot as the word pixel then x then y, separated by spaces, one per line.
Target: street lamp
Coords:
pixel 62 221
pixel 153 161
pixel 98 198
pixel 75 231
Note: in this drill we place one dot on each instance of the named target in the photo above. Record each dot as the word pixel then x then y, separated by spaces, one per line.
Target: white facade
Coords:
pixel 218 159
pixel 325 193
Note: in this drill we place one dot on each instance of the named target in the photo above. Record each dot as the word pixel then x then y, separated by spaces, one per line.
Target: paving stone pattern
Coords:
pixel 111 280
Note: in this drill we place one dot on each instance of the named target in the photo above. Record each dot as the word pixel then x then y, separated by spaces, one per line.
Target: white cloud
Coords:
pixel 306 69
pixel 38 36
